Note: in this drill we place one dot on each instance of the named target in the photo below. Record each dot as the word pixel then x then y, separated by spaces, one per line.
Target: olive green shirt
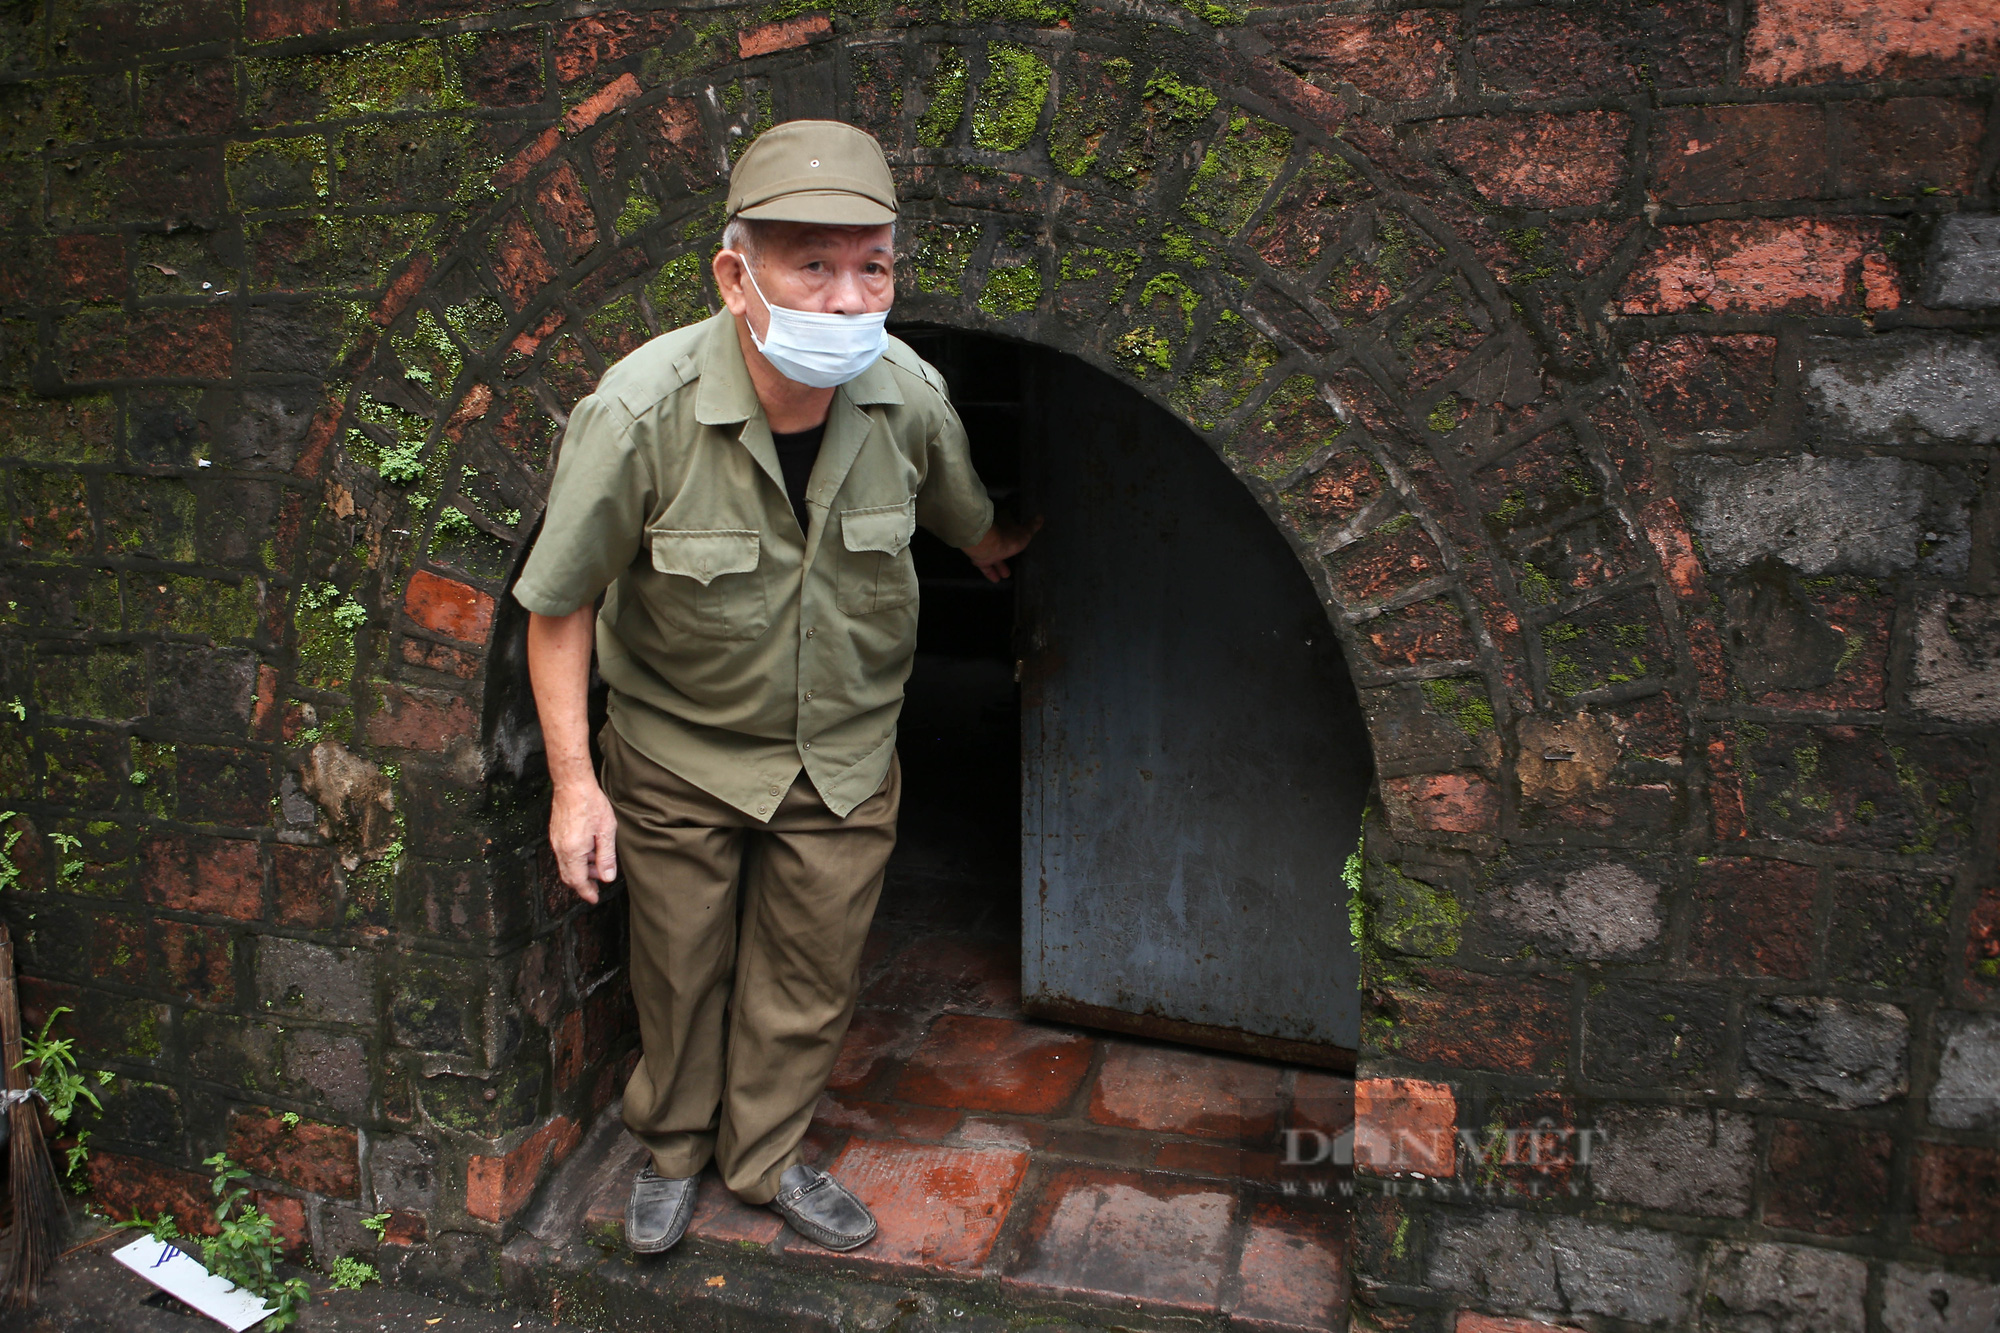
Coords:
pixel 737 648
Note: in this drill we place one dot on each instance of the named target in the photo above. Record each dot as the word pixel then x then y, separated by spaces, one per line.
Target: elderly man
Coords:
pixel 743 492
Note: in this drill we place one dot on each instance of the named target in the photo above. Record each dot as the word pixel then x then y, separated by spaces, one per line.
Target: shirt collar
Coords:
pixel 726 395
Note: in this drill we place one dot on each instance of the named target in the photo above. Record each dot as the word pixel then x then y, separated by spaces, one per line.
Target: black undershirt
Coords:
pixel 797 452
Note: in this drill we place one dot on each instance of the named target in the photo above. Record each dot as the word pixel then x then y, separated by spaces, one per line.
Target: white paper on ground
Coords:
pixel 180 1275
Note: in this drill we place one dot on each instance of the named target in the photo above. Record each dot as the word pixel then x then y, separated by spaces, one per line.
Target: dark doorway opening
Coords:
pixel 1194 757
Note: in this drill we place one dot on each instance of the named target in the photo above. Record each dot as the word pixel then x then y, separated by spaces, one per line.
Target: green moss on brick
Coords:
pixel 1040 13
pixel 1463 701
pixel 1230 365
pixel 1009 291
pixel 937 255
pixel 58 430
pixel 638 213
pixel 1235 173
pixel 1009 106
pixel 1444 417
pixel 276 173
pixel 676 291
pixel 944 102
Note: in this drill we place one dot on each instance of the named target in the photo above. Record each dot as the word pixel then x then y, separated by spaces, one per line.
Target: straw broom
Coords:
pixel 38 1205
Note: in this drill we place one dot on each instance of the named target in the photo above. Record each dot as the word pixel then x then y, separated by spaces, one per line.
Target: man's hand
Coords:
pixel 583 833
pixel 583 829
pixel 1002 542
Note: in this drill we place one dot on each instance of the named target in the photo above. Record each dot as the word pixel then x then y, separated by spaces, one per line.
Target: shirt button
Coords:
pixel 774 791
pixel 809 633
pixel 809 745
pixel 809 694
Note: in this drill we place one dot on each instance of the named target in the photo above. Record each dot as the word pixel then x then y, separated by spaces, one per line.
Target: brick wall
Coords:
pixel 1618 371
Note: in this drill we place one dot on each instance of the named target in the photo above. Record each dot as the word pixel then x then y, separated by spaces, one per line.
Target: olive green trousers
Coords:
pixel 742 1005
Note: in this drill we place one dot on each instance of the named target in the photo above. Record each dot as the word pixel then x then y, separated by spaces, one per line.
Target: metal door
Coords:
pixel 1194 761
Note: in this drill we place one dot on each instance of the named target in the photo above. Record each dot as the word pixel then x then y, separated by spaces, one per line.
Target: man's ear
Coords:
pixel 728 269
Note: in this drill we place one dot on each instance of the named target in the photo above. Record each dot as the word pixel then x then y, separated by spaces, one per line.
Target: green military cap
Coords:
pixel 822 171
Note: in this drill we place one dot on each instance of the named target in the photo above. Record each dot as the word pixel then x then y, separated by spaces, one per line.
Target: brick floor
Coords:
pixel 1059 1166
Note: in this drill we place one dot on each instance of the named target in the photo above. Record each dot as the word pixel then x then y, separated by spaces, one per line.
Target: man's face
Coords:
pixel 801 266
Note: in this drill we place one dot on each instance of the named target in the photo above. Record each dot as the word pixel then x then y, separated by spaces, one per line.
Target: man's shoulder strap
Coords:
pixel 903 357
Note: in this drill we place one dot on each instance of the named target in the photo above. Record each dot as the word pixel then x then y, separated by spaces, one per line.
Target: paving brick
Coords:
pixel 1324 1102
pixel 938 1208
pixel 877 1040
pixel 1177 1091
pixel 1124 1237
pixel 1292 1273
pixel 994 1064
pixel 723 1219
pixel 885 1119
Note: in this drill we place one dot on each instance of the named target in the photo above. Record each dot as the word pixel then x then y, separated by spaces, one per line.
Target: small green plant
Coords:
pixel 244 1250
pixel 349 1273
pixel 66 843
pixel 18 709
pixel 291 1119
pixel 61 1084
pixel 402 463
pixel 377 1224
pixel 9 872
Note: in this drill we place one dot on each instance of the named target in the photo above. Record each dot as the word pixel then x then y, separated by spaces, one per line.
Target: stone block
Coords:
pixel 1599 911
pixel 1955 673
pixel 1643 1033
pixel 1824 515
pixel 1917 1300
pixel 1909 387
pixel 1530 1262
pixel 1769 1288
pixel 1888 929
pixel 1962 269
pixel 1967 1092
pixel 1676 1159
pixel 332 1067
pixel 1842 1053
pixel 403 1172
pixel 1829 1178
pixel 314 981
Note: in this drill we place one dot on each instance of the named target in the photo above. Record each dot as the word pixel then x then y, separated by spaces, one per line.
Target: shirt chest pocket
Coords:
pixel 712 585
pixel 877 571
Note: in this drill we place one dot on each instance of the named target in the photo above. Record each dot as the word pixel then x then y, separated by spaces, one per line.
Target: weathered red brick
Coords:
pixel 1541 161
pixel 783 35
pixel 1397 57
pixel 498 1187
pixel 192 873
pixel 1510 1024
pixel 1958 1198
pixel 1389 560
pixel 1469 1322
pixel 581 45
pixel 1819 41
pixel 122 1186
pixel 504 69
pixel 308 893
pixel 146 344
pixel 1832 1179
pixel 1607 46
pixel 1695 383
pixel 1405 1124
pixel 267 20
pixel 973 1063
pixel 90 268
pixel 521 265
pixel 119 947
pixel 1910 146
pixel 288 1219
pixel 1763 265
pixel 1182 1092
pixel 1731 154
pixel 601 103
pixel 200 961
pixel 447 606
pixel 321 1158
pixel 1444 802
pixel 939 1208
pixel 566 204
pixel 1429 631
pixel 416 719
pixel 198 98
pixel 1754 918
pixel 1982 945
pixel 437 657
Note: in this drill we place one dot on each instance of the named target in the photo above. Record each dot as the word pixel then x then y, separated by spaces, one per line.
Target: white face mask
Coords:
pixel 818 350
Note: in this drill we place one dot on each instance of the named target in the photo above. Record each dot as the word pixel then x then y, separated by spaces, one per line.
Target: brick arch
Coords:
pixel 1402 382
